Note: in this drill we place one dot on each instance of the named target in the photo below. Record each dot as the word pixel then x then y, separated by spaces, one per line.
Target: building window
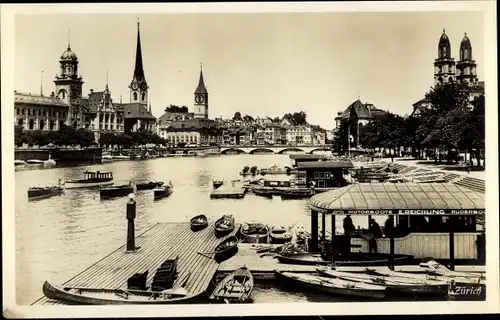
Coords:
pixel 42 125
pixel 143 96
pixel 20 122
pixel 23 112
pixel 17 111
pixel 31 124
pixel 39 112
pixel 51 125
pixel 29 112
pixel 135 96
pixel 61 123
pixel 316 175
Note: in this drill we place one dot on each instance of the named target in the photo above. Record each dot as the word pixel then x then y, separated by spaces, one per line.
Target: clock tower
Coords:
pixel 201 99
pixel 69 86
pixel 138 86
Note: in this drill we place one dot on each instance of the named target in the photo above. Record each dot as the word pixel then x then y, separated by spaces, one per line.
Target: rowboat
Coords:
pixel 333 286
pixel 165 275
pixel 226 249
pixel 255 232
pixel 263 193
pixel 34 162
pixel 435 268
pixel 394 285
pixel 91 179
pixel 237 287
pixel 163 191
pixel 296 194
pixel 280 235
pixel 356 259
pixel 199 222
pixel 224 226
pixel 148 185
pixel 99 296
pixel 18 163
pixel 116 190
pixel 37 193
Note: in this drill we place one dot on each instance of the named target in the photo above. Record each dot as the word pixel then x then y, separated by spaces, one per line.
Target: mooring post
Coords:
pixel 131 213
pixel 314 232
pixel 391 245
pixel 323 226
pixel 333 240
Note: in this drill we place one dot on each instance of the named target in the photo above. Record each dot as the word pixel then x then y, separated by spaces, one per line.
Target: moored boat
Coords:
pixel 101 296
pixel 148 185
pixel 394 285
pixel 255 232
pixel 116 190
pixel 163 191
pixel 91 179
pixel 237 287
pixel 37 193
pixel 34 162
pixel 332 286
pixel 224 226
pixel 272 170
pixel 356 259
pixel 296 193
pixel 199 222
pixel 226 249
pixel 280 235
pixel 217 183
pixel 106 157
pixel 263 193
pixel 18 163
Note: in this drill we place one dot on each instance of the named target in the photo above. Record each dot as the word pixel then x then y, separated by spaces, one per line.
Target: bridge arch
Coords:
pixel 291 149
pixel 257 150
pixel 232 150
pixel 320 149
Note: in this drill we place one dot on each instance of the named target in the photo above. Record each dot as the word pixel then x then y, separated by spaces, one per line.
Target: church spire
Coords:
pixel 201 83
pixel 138 70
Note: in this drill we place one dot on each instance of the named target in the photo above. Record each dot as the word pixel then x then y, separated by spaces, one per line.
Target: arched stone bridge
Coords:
pixel 274 149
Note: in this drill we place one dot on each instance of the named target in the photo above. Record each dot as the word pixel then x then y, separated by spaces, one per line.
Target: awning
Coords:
pixel 400 198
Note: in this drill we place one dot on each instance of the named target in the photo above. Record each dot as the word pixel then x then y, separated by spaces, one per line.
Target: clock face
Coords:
pixel 135 86
pixel 144 86
pixel 199 98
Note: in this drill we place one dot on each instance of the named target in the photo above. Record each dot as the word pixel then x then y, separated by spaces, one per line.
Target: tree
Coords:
pixel 237 116
pixel 176 109
pixel 18 136
pixel 84 137
pixel 248 118
pixel 340 141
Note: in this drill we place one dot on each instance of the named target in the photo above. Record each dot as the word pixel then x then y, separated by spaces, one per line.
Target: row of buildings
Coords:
pixel 98 112
pixel 446 70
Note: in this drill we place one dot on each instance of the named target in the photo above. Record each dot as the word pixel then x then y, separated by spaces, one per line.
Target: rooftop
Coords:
pixel 28 98
pixel 307 156
pixel 135 110
pixel 398 196
pixel 324 164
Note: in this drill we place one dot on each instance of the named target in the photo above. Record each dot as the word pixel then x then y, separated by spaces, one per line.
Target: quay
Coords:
pixel 160 242
pixel 233 190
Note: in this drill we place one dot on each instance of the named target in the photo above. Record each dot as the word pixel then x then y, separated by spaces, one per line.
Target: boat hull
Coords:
pixel 334 290
pixel 310 259
pixel 109 296
pixel 241 296
pixel 148 186
pixel 118 192
pixel 223 254
pixel 162 193
pixel 199 223
pixel 76 185
pixel 32 196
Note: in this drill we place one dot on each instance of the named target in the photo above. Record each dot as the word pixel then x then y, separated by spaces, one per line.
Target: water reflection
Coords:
pixel 77 228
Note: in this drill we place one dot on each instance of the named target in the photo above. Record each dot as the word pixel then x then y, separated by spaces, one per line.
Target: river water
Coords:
pixel 58 237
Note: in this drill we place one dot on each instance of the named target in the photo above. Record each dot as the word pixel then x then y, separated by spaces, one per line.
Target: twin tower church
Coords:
pixel 97 111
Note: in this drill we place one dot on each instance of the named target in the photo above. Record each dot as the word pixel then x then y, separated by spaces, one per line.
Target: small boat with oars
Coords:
pixel 163 191
pixel 355 259
pixel 91 179
pixel 254 232
pixel 395 285
pixel 38 193
pixel 165 275
pixel 280 235
pixel 332 286
pixel 224 226
pixel 148 185
pixel 116 190
pixel 34 162
pixel 226 249
pixel 199 222
pixel 217 183
pixel 236 287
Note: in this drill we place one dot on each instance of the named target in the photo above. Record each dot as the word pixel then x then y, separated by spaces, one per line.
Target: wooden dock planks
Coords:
pixel 161 242
pixel 234 190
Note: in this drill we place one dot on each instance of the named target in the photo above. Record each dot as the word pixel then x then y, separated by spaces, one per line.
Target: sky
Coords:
pixel 262 64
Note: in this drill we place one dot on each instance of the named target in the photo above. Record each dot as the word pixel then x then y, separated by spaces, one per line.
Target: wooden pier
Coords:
pixel 233 190
pixel 161 242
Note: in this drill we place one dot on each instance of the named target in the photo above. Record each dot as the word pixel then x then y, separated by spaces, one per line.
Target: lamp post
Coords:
pixel 131 214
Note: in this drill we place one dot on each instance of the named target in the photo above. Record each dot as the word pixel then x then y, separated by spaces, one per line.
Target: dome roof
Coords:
pixel 69 55
pixel 465 44
pixel 444 40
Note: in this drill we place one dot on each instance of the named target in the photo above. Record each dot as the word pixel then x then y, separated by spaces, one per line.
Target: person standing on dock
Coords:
pixel 374 229
pixel 349 228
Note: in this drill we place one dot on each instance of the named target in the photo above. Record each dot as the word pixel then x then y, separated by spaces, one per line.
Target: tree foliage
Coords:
pixel 176 109
pixel 296 118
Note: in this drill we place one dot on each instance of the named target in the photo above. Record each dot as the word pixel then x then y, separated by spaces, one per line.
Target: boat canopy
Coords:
pixel 400 198
pixel 325 164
